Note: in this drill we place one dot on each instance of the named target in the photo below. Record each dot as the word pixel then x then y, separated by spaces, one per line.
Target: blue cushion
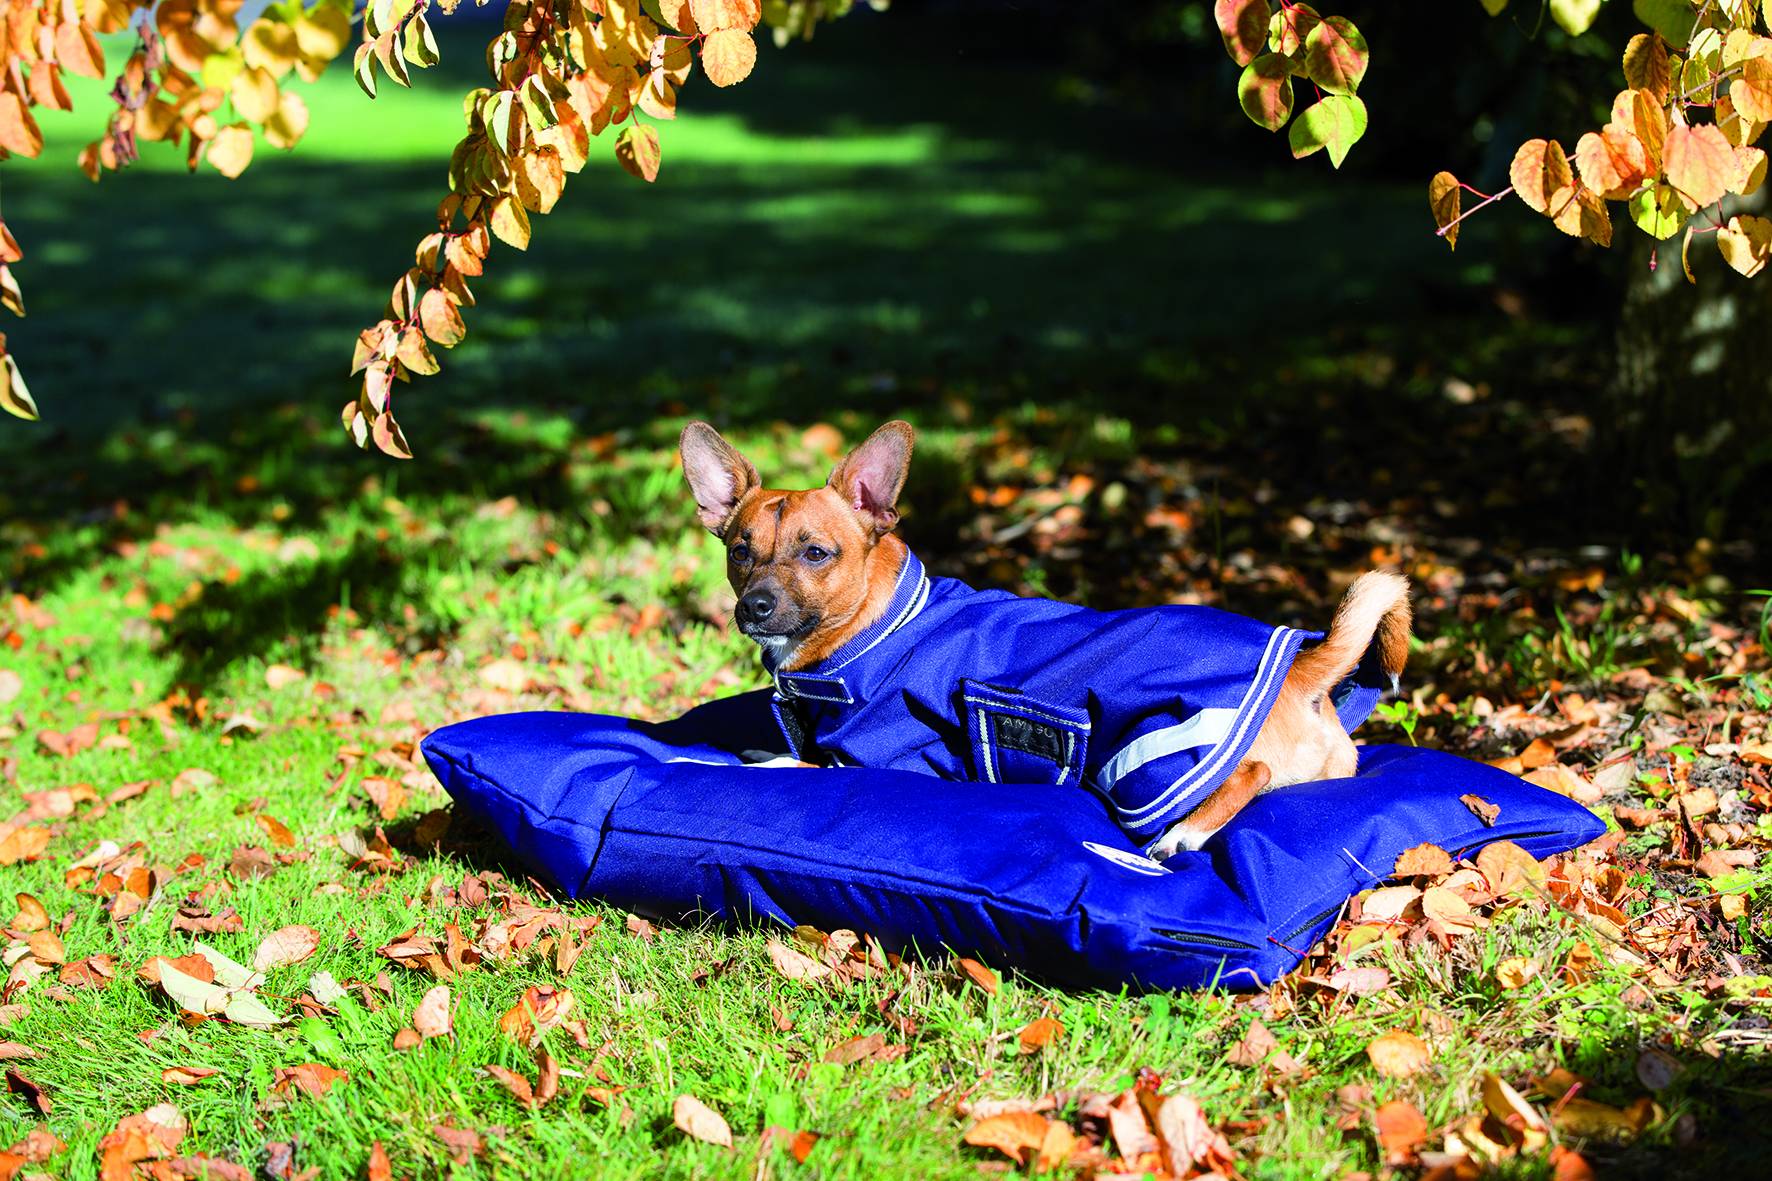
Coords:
pixel 663 820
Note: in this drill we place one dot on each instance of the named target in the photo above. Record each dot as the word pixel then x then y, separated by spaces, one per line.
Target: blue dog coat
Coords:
pixel 1152 708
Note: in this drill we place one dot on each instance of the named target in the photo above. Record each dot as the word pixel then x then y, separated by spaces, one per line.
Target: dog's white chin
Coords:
pixel 779 648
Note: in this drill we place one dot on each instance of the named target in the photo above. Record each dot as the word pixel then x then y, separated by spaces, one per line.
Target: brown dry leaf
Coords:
pixel 1515 971
pixel 148 1135
pixel 289 945
pixel 431 1018
pixel 1398 1054
pixel 795 965
pixel 276 830
pixel 1481 808
pixel 310 1078
pixel 386 794
pixel 1509 869
pixel 979 974
pixel 1426 860
pixel 380 1168
pixel 408 1039
pixel 1388 903
pixel 1190 1138
pixel 698 1121
pixel 1581 1118
pixel 12 1051
pixel 1036 1035
pixel 1126 1122
pixel 23 844
pixel 1539 752
pixel 192 779
pixel 856 1049
pixel 515 1083
pixel 1580 964
pixel 538 1010
pixel 1254 1046
pixel 1401 1130
pixel 281 676
pixel 1511 1110
pixel 31 915
pixel 187 1076
pixel 1012 1133
pixel 19 1084
pixel 1565 782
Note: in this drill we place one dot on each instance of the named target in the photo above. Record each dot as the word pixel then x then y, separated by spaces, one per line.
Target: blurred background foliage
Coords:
pixel 1047 235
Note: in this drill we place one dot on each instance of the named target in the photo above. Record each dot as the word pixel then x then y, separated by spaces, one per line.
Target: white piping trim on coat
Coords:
pixel 1265 673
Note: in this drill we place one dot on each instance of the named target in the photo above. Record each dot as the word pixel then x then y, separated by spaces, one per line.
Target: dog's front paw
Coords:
pixel 1178 839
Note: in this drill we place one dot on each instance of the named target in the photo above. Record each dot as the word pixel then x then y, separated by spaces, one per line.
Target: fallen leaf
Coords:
pixel 1398 1054
pixel 1387 903
pixel 1427 860
pixel 281 676
pixel 31 915
pixel 1254 1046
pixel 1565 782
pixel 1126 1122
pixel 1481 808
pixel 310 1078
pixel 12 1051
pixel 795 965
pixel 513 1082
pixel 379 1167
pixel 288 945
pixel 19 1084
pixel 386 794
pixel 1538 753
pixel 1515 971
pixel 1509 869
pixel 979 975
pixel 1190 1138
pixel 698 1121
pixel 1401 1130
pixel 1012 1133
pixel 187 1076
pixel 431 1018
pixel 276 830
pixel 1039 1033
pixel 856 1049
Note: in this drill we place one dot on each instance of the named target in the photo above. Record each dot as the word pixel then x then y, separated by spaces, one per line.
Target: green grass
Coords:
pixel 841 240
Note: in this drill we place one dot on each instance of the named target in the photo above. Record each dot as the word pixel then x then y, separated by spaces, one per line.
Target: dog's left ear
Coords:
pixel 871 477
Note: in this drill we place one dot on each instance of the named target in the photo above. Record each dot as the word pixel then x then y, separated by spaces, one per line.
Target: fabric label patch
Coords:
pixel 1127 859
pixel 1028 736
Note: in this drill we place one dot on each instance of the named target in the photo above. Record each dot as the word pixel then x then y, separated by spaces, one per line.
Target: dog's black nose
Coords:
pixel 756 606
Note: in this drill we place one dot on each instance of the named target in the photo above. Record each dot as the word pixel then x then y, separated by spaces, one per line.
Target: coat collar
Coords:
pixel 825 681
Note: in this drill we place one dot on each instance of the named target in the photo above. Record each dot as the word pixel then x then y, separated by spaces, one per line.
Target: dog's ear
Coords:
pixel 718 475
pixel 871 477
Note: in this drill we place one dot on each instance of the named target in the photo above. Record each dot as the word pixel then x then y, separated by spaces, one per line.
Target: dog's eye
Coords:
pixel 741 552
pixel 816 554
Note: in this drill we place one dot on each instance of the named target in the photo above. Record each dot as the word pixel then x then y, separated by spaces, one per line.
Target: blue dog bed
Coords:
pixel 663 820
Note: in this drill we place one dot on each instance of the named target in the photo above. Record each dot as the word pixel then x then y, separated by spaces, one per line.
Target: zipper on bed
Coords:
pixel 1205 940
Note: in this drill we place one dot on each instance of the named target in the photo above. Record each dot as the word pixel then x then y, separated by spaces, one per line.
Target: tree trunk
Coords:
pixel 1691 420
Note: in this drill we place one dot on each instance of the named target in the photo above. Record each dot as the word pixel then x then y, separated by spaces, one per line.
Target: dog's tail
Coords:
pixel 1376 606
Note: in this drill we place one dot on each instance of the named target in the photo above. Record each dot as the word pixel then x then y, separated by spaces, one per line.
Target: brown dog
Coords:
pixel 814 568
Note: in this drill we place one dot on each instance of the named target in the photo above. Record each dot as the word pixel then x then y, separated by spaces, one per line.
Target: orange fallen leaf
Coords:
pixel 379 1167
pixel 276 830
pixel 1401 1130
pixel 979 975
pixel 1398 1054
pixel 187 1076
pixel 1426 860
pixel 310 1078
pixel 1012 1133
pixel 795 965
pixel 1039 1033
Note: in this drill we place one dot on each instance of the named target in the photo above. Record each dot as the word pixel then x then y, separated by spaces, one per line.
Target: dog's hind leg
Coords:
pixel 1215 811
